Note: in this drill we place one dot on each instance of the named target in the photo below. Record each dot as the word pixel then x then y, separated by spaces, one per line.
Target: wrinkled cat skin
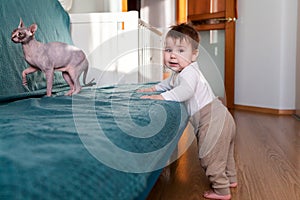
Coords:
pixel 48 57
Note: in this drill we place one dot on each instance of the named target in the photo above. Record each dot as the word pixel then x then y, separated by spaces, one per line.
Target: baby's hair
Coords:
pixel 185 31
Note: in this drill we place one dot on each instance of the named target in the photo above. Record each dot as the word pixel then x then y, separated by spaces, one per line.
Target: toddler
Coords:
pixel 213 124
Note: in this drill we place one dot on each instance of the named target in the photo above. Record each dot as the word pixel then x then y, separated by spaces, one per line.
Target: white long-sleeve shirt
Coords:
pixel 189 86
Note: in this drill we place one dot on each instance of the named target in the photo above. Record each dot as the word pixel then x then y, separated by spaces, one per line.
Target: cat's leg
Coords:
pixel 49 78
pixel 75 73
pixel 26 71
pixel 77 86
pixel 68 79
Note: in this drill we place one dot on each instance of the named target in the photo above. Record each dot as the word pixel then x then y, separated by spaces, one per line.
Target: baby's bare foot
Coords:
pixel 233 185
pixel 212 195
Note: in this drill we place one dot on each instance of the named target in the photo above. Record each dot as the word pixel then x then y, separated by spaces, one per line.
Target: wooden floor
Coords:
pixel 267 153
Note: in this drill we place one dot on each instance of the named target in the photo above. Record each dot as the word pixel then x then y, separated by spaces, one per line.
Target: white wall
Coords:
pixel 266 53
pixel 84 6
pixel 298 67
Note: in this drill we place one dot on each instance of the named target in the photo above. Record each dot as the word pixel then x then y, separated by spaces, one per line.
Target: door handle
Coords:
pixel 230 19
pixel 227 19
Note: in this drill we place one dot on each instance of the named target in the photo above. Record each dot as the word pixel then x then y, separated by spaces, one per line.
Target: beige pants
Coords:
pixel 215 131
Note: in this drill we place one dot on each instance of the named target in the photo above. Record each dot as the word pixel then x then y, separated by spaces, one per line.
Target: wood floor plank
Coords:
pixel 267 153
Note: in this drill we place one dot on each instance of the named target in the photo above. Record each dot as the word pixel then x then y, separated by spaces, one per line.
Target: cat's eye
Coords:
pixel 20 34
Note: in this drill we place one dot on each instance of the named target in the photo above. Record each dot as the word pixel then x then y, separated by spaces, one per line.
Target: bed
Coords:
pixel 104 143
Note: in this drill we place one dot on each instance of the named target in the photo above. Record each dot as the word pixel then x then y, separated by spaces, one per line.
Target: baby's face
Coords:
pixel 178 54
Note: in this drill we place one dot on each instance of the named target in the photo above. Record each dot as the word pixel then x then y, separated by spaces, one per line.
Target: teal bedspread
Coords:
pixel 105 143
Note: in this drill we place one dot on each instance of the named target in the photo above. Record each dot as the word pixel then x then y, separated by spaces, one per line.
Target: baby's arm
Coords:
pixel 150 89
pixel 162 86
pixel 156 97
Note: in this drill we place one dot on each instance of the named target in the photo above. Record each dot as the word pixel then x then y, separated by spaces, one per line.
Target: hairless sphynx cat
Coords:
pixel 48 57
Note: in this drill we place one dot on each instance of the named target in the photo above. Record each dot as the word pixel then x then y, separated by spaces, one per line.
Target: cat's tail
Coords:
pixel 91 83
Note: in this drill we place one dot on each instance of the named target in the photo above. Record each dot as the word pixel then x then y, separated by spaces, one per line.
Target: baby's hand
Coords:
pixel 151 89
pixel 155 97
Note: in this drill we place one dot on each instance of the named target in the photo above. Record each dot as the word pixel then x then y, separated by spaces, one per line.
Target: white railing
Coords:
pixel 150 53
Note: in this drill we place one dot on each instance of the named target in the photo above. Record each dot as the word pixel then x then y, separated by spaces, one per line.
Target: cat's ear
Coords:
pixel 21 24
pixel 33 28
